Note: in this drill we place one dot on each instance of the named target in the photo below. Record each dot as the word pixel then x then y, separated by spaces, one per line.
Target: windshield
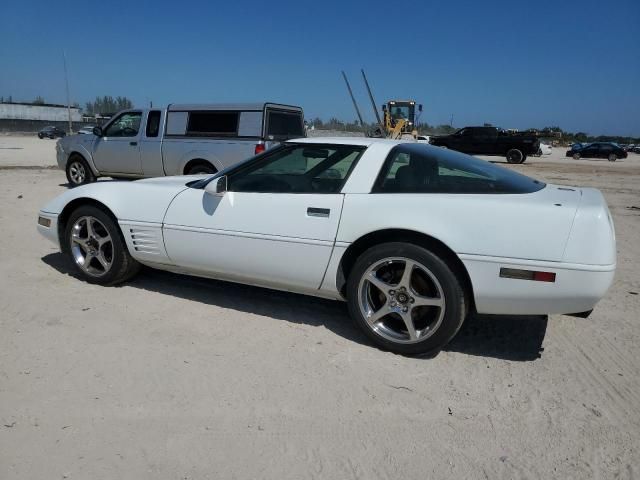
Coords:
pixel 399 112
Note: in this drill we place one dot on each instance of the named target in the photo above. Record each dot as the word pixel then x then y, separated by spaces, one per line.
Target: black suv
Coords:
pixel 51 132
pixel 608 150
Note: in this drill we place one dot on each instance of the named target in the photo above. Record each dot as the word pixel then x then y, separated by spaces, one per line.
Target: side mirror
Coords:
pixel 97 131
pixel 217 186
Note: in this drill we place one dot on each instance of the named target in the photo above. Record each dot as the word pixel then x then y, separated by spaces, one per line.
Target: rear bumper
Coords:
pixel 577 288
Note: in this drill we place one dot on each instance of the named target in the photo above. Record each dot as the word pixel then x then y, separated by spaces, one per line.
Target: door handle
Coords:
pixel 318 212
pixel 133 144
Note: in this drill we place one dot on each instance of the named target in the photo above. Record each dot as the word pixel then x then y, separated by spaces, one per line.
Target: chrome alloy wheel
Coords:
pixel 401 300
pixel 91 246
pixel 77 172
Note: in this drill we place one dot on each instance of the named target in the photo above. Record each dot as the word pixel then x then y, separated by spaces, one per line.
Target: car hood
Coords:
pixel 140 201
pixel 177 180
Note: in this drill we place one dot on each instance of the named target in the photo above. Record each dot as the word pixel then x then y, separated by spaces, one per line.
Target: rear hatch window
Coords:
pixel 282 125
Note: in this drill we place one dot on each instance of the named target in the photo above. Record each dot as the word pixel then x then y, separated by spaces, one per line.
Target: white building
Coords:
pixel 46 113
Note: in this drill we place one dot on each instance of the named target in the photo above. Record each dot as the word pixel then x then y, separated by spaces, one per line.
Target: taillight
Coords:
pixel 259 148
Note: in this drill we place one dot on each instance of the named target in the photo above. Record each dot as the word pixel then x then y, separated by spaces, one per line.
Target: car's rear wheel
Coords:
pixel 613 157
pixel 96 247
pixel 78 171
pixel 406 298
pixel 576 156
pixel 40 136
pixel 515 156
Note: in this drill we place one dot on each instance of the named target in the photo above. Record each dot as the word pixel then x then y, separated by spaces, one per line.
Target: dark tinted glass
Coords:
pixel 297 169
pixel 415 168
pixel 284 125
pixel 153 123
pixel 213 123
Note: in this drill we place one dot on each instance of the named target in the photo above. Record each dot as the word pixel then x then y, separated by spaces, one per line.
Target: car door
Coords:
pixel 461 140
pixel 275 225
pixel 118 150
pixel 591 151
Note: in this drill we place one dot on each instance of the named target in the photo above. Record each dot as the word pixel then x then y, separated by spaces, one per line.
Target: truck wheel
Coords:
pixel 78 171
pixel 576 156
pixel 515 156
pixel 612 157
pixel 200 168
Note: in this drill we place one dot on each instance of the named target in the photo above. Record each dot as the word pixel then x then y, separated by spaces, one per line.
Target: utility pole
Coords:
pixel 66 79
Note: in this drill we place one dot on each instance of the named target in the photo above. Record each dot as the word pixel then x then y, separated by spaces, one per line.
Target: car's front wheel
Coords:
pixel 96 247
pixel 613 157
pixel 576 156
pixel 78 171
pixel 405 298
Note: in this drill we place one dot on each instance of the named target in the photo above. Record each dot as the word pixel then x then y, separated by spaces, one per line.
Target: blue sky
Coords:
pixel 513 63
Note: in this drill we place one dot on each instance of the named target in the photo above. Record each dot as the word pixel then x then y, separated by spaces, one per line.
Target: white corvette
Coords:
pixel 412 236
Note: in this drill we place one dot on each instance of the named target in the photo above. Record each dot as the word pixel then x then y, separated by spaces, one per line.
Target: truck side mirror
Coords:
pixel 97 131
pixel 217 186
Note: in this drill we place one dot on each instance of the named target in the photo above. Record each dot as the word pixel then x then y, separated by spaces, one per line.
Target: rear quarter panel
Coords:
pixel 528 226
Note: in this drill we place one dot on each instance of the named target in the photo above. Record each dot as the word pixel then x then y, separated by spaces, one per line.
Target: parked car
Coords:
pixel 423 139
pixel 51 132
pixel 88 130
pixel 544 149
pixel 608 150
pixel 635 149
pixel 515 146
pixel 181 139
pixel 412 236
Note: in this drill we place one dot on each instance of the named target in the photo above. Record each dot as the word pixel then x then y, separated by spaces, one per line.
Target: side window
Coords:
pixel 153 123
pixel 606 148
pixel 284 125
pixel 126 125
pixel 414 168
pixel 213 124
pixel 298 169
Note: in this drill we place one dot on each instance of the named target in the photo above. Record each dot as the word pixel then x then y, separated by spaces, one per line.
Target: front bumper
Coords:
pixel 48 226
pixel 61 155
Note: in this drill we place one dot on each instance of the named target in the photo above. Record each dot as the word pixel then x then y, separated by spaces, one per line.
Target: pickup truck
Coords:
pixel 178 140
pixel 491 141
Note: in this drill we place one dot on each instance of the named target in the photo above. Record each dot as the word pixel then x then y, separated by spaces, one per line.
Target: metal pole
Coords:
pixel 66 79
pixel 373 102
pixel 353 99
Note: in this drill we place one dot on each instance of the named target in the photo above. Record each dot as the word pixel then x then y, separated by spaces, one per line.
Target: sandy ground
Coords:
pixel 171 377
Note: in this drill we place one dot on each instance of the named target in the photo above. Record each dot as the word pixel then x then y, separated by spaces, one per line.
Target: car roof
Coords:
pixel 243 107
pixel 364 141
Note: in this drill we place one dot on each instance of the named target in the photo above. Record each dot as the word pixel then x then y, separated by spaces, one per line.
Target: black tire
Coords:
pixel 78 171
pixel 200 168
pixel 515 156
pixel 612 157
pixel 123 266
pixel 576 156
pixel 455 307
pixel 40 136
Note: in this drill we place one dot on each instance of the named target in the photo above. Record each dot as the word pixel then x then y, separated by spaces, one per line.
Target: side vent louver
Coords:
pixel 144 240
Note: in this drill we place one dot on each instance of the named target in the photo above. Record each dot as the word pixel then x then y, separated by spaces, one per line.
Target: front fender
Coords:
pixel 134 201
